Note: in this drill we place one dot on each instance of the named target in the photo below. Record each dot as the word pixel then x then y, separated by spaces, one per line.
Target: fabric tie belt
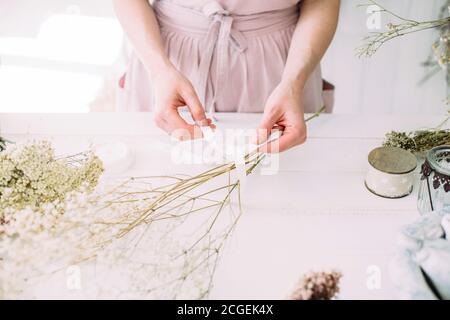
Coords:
pixel 220 29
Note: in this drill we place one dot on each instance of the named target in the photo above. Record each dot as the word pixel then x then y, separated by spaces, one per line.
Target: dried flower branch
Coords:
pixel 417 141
pixel 183 186
pixel 406 26
pixel 161 236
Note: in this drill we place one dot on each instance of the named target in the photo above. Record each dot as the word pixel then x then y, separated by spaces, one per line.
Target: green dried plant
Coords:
pixel 417 141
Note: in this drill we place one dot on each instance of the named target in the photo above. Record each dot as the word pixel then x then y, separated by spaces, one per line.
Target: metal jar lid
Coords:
pixel 392 160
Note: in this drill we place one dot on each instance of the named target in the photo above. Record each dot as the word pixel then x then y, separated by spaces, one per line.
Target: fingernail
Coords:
pixel 202 123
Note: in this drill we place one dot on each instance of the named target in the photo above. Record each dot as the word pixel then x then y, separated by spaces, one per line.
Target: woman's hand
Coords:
pixel 283 111
pixel 171 91
pixel 312 36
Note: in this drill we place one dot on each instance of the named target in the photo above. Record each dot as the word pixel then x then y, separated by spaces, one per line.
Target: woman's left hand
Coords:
pixel 283 111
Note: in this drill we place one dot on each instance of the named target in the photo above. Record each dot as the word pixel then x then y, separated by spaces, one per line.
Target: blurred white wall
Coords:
pixel 58 56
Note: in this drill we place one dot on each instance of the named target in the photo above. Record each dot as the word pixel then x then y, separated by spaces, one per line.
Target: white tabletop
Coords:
pixel 315 214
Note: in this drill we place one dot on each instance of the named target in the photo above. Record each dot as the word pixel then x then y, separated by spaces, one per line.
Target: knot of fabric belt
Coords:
pixel 219 37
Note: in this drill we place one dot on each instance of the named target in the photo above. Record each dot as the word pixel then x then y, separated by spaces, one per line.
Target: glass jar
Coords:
pixel 434 191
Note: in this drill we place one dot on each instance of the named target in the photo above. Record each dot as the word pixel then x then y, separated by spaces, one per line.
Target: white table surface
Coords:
pixel 315 214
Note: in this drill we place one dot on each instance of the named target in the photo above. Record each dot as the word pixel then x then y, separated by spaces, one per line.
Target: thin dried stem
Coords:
pixel 406 26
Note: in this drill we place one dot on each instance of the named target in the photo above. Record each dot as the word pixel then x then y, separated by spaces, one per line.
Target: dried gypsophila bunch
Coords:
pixel 35 245
pixel 149 262
pixel 184 198
pixel 85 232
pixel 88 232
pixel 116 232
pixel 317 286
pixel 35 186
pixel 32 176
pixel 92 227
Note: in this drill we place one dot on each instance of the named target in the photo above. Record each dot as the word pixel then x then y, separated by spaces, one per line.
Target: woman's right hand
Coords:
pixel 173 90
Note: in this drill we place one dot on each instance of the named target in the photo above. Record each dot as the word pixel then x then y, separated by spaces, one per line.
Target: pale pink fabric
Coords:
pixel 233 61
pixel 241 7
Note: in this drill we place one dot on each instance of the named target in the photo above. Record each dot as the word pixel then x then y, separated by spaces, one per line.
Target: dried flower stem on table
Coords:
pixel 162 202
pixel 182 187
pixel 156 232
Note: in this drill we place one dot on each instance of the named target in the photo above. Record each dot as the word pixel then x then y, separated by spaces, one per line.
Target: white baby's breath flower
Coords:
pixel 33 176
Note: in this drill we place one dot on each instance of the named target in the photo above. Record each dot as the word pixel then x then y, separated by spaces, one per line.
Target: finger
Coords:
pixel 278 127
pixel 183 130
pixel 265 127
pixel 162 123
pixel 290 138
pixel 208 122
pixel 204 123
pixel 193 103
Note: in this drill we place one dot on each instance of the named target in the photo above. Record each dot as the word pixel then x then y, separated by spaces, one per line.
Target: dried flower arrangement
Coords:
pixel 35 188
pixel 32 176
pixel 317 286
pixel 172 253
pixel 155 234
pixel 112 228
pixel 419 141
pixel 439 58
pixel 375 40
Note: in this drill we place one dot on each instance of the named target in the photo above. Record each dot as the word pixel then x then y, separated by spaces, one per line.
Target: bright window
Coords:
pixel 63 66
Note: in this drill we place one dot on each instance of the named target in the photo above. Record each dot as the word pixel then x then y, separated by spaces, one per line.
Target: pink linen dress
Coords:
pixel 232 51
